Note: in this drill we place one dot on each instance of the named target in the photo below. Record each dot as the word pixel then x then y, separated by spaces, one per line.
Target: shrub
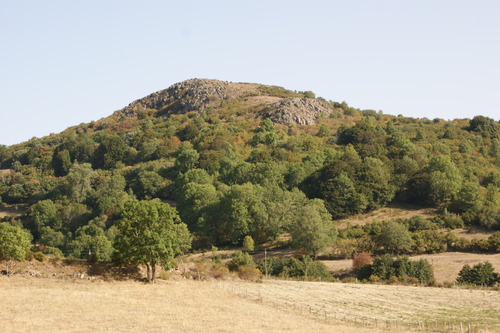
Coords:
pixel 248 244
pixel 249 273
pixel 481 274
pixel 219 271
pixel 240 259
pixel 419 223
pixel 386 268
pixel 429 241
pixel 494 242
pixel 39 256
pixel 453 221
pixel 315 270
pixel 361 260
pixel 294 268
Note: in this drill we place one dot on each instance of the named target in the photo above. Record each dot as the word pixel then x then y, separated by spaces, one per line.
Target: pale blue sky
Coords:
pixel 67 62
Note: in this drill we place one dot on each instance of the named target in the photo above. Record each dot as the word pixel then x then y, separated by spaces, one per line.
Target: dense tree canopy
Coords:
pixel 232 172
pixel 150 233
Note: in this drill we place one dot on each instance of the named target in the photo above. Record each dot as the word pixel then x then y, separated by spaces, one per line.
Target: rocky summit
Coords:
pixel 280 105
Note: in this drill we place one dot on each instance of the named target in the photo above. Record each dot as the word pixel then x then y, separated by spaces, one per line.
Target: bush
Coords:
pixel 416 223
pixel 316 270
pixel 481 274
pixel 295 268
pixel 39 256
pixel 53 250
pixel 453 221
pixel 248 244
pixel 397 270
pixel 361 260
pixel 429 241
pixel 240 259
pixel 249 273
pixel 494 242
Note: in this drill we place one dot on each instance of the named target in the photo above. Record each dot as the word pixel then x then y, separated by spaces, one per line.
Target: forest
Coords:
pixel 226 171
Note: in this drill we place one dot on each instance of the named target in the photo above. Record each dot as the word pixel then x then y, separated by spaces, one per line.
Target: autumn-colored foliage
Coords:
pixel 361 259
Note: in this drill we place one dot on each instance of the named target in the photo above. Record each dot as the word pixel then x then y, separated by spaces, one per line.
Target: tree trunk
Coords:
pixel 148 272
pixel 153 272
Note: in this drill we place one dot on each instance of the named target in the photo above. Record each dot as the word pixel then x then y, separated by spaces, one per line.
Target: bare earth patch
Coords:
pixel 10 211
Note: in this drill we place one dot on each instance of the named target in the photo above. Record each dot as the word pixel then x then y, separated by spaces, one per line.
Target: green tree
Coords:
pixel 240 212
pixel 192 202
pixel 187 158
pixel 481 274
pixel 91 241
pixel 395 238
pixel 45 213
pixel 14 243
pixel 78 182
pixel 445 179
pixel 151 233
pixel 313 229
pixel 240 259
pixel 61 162
pixel 112 151
pixel 341 197
pixel 248 244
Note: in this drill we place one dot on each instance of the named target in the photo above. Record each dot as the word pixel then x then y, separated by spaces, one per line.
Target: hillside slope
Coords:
pixel 244 159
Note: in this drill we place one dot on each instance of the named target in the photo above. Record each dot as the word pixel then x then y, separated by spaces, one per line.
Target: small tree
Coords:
pixel 248 244
pixel 361 260
pixel 151 233
pixel 313 229
pixel 481 274
pixel 14 243
pixel 240 259
pixel 395 238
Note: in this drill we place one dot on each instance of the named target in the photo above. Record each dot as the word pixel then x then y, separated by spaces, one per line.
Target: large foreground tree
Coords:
pixel 151 233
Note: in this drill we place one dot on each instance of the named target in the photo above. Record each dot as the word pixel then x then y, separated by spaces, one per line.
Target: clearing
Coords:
pixel 390 213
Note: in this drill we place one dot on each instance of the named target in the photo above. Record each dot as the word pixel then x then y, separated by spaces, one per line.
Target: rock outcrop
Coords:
pixel 190 95
pixel 198 94
pixel 296 110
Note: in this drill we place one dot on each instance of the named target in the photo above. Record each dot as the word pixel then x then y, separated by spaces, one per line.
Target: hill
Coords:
pixel 244 159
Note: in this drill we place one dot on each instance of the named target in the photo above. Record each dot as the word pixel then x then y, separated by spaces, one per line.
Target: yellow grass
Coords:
pixel 473 233
pixel 57 305
pixel 390 213
pixel 396 304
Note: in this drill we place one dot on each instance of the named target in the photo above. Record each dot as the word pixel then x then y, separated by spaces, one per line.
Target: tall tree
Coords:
pixel 151 233
pixel 313 229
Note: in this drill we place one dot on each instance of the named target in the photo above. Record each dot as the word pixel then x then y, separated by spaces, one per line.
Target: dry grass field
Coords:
pixel 58 305
pixel 445 265
pixel 400 306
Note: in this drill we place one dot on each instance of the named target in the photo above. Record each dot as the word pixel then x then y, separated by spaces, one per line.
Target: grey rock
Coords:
pixel 297 110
